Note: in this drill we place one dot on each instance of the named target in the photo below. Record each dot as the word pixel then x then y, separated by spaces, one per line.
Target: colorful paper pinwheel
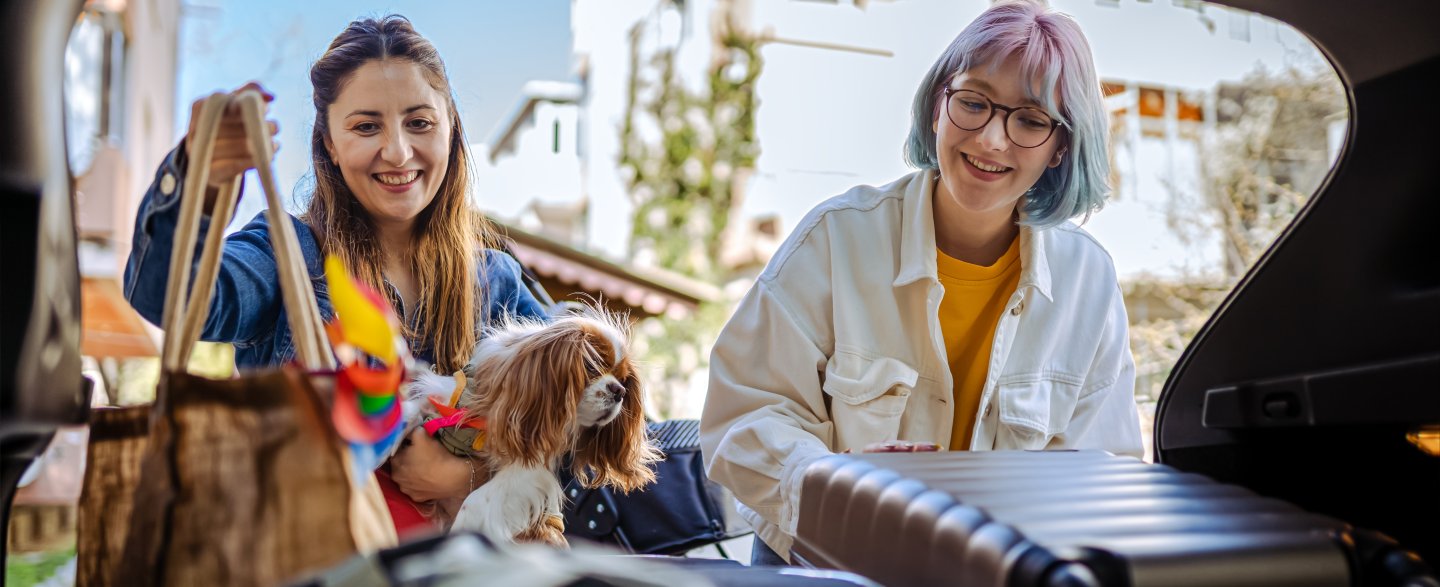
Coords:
pixel 374 358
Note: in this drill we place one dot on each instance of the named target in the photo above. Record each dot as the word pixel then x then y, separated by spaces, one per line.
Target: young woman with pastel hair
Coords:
pixel 957 306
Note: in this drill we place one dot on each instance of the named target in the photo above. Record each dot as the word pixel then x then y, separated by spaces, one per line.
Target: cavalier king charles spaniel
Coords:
pixel 539 391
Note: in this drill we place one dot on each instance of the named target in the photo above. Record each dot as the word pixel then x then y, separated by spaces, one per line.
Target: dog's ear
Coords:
pixel 531 396
pixel 619 454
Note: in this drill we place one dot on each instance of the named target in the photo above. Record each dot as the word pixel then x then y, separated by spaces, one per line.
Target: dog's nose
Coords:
pixel 616 390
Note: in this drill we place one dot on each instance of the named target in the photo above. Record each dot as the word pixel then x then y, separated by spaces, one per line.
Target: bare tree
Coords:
pixel 1268 153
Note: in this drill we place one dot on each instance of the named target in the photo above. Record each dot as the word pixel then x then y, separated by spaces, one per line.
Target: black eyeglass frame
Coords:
pixel 1004 122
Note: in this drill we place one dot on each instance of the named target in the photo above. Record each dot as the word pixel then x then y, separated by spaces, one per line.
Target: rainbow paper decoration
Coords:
pixel 374 358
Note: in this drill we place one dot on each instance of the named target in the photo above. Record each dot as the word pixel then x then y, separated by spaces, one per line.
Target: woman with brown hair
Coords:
pixel 390 200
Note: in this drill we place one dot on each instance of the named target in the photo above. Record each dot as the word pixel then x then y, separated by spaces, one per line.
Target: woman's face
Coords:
pixel 390 137
pixel 981 170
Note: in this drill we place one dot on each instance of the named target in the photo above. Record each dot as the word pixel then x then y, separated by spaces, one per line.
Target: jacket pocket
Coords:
pixel 1033 411
pixel 868 397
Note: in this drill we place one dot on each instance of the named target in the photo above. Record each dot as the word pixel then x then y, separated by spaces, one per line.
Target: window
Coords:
pixel 94 66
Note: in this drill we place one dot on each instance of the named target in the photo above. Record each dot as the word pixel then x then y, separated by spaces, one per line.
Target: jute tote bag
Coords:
pixel 240 481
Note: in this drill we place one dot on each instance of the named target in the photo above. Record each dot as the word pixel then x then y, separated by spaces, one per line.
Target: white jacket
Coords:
pixel 838 345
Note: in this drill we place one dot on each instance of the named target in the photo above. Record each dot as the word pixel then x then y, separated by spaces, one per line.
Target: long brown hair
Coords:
pixel 447 232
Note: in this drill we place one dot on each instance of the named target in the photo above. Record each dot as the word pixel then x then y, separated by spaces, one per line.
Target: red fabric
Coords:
pixel 435 424
pixel 409 522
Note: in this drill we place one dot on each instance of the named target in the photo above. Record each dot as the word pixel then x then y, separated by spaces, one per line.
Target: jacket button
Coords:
pixel 167 184
pixel 1016 310
pixel 987 410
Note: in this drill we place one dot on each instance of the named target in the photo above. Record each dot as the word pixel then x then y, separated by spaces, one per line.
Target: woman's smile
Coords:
pixel 398 182
pixel 984 169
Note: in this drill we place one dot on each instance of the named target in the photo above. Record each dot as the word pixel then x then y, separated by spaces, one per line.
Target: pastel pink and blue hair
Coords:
pixel 1054 54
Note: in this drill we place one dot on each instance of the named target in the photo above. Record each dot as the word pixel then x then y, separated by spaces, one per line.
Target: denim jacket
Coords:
pixel 247 310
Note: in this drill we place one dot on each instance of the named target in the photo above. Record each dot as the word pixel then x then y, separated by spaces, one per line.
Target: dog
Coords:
pixel 544 390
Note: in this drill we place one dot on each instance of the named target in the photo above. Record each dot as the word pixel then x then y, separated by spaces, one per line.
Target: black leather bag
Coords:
pixel 681 511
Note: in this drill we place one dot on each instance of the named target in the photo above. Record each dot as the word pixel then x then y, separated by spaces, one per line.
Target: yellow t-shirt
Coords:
pixel 975 297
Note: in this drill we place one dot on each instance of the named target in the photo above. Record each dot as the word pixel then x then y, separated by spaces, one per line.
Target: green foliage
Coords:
pixel 24 570
pixel 676 349
pixel 138 377
pixel 683 184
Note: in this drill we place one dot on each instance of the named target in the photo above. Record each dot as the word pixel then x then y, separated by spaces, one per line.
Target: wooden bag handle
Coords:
pixel 185 313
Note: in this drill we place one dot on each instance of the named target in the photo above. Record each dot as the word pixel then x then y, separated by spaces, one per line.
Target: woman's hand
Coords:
pixel 901 446
pixel 425 471
pixel 231 156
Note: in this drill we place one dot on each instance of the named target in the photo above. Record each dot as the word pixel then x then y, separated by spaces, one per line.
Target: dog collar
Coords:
pixel 456 428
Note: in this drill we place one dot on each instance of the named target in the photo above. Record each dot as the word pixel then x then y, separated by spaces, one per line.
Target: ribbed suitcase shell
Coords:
pixel 1022 518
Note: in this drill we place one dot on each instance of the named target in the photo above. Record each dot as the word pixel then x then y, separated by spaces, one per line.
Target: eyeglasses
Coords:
pixel 1025 126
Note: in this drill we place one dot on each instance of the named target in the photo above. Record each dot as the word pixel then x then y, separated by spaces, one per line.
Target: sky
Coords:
pixel 490 47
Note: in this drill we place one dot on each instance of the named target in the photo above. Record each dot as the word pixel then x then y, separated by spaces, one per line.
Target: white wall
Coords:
pixel 535 171
pixel 600 30
pixel 150 105
pixel 829 118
